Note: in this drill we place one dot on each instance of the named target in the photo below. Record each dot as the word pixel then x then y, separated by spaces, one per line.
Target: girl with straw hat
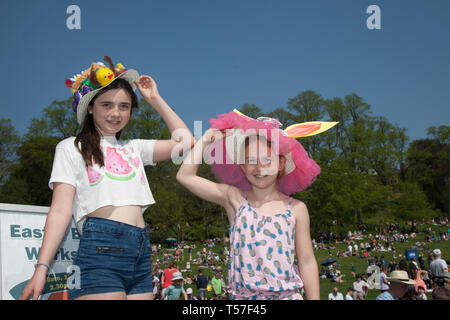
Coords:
pixel 100 180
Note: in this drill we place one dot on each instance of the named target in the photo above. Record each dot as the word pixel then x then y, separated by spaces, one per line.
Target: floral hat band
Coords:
pixel 85 85
pixel 274 122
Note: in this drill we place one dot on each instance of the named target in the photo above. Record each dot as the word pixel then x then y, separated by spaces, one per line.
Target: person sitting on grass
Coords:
pixel 337 276
pixel 349 295
pixel 335 295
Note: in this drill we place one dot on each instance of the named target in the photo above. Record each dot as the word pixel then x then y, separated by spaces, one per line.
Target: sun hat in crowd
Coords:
pixel 437 252
pixel 177 276
pixel 300 170
pixel 400 276
pixel 86 85
pixel 446 276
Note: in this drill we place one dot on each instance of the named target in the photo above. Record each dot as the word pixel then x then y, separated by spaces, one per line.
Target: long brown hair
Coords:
pixel 89 137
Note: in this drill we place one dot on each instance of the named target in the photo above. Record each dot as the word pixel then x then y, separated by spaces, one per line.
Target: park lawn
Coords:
pixel 343 264
pixel 360 264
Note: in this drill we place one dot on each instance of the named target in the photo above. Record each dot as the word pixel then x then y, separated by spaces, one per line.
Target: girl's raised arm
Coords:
pixel 201 187
pixel 163 149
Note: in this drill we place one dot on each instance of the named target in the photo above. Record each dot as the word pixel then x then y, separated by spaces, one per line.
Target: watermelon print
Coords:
pixel 134 161
pixel 143 180
pixel 116 167
pixel 94 176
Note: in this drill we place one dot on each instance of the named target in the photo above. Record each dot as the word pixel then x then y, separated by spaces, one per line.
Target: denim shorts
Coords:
pixel 113 257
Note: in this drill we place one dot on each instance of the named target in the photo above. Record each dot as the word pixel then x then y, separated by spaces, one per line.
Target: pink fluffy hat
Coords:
pixel 300 170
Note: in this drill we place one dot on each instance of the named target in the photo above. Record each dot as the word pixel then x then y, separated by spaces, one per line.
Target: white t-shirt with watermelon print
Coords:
pixel 121 181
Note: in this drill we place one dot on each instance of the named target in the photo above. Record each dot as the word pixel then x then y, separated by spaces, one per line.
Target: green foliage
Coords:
pixel 251 110
pixel 9 142
pixel 145 123
pixel 58 120
pixel 369 173
pixel 428 165
pixel 28 181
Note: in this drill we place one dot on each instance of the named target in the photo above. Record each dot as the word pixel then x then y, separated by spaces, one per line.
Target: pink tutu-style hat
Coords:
pixel 300 170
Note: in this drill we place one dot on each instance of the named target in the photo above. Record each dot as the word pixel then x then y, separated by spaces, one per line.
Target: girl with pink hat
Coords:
pixel 259 167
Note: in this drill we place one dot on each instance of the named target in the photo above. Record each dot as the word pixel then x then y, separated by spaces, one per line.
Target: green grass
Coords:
pixel 343 264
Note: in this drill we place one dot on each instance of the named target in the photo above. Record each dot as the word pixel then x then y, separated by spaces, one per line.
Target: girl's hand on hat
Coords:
pixel 212 135
pixel 148 88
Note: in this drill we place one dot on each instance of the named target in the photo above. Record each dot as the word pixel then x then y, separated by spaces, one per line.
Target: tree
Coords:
pixel 251 110
pixel 308 106
pixel 386 148
pixel 28 181
pixel 409 202
pixel 58 120
pixel 145 123
pixel 9 142
pixel 428 165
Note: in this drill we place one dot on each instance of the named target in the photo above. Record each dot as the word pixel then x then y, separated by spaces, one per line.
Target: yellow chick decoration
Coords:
pixel 96 76
pixel 104 76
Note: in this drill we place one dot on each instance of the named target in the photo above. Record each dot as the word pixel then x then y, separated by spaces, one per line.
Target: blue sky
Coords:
pixel 211 56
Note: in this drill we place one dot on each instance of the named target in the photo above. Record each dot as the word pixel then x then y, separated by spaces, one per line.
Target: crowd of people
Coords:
pixel 411 278
pixel 407 279
pixel 364 245
pixel 172 282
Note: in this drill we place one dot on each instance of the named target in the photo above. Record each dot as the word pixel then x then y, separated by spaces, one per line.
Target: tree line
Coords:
pixel 371 173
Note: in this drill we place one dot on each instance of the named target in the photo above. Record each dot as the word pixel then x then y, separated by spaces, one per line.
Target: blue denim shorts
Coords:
pixel 112 257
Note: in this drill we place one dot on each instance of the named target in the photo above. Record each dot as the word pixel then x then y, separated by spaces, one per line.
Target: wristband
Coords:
pixel 48 268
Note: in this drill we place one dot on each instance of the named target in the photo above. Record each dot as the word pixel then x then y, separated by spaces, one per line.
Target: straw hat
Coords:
pixel 177 276
pixel 130 76
pixel 400 276
pixel 86 85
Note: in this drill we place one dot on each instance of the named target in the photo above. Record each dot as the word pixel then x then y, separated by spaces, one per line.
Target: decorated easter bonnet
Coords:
pixel 300 170
pixel 86 85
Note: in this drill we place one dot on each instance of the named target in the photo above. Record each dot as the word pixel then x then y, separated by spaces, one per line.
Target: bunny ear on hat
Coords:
pixel 307 129
pixel 299 130
pixel 241 114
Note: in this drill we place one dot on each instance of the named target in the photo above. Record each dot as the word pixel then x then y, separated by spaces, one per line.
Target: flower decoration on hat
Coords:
pixel 98 75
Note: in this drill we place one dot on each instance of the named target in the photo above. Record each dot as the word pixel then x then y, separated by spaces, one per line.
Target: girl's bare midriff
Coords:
pixel 126 214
